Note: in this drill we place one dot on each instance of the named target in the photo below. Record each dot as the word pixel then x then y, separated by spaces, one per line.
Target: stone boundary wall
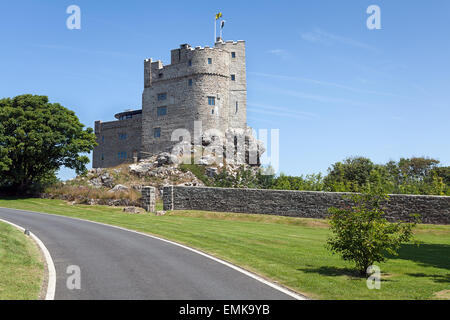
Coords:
pixel 305 204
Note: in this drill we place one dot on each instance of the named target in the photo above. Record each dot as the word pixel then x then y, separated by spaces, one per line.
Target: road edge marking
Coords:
pixel 51 286
pixel 252 275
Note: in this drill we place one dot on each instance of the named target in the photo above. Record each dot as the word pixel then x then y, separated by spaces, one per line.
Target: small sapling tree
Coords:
pixel 361 234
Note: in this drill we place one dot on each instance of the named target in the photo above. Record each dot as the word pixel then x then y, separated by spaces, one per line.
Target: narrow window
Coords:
pixel 157 133
pixel 233 77
pixel 237 107
pixel 212 111
pixel 212 101
pixel 209 60
pixel 233 55
pixel 103 138
pixel 160 75
pixel 161 111
pixel 190 82
pixel 162 96
pixel 103 157
pixel 190 63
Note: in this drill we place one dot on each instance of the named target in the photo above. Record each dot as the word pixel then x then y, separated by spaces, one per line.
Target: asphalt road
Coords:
pixel 119 264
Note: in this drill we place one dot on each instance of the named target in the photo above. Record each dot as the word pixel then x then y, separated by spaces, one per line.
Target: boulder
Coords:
pixel 119 188
pixel 134 210
pixel 166 158
pixel 211 172
pixel 141 169
pixel 96 183
pixel 107 180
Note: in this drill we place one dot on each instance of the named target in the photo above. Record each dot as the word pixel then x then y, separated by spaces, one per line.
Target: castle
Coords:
pixel 200 84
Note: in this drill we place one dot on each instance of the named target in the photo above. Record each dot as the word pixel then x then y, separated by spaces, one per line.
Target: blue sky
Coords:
pixel 333 87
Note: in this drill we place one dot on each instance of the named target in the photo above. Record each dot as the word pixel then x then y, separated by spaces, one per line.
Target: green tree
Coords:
pixel 444 173
pixel 361 234
pixel 349 175
pixel 417 169
pixel 37 138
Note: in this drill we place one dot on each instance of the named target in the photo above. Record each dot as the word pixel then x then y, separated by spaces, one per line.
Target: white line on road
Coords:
pixel 51 287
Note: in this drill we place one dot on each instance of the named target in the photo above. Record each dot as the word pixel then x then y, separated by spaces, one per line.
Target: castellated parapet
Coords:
pixel 206 84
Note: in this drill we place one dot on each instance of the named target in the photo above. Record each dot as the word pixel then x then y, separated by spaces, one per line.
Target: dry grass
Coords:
pixel 73 193
pixel 442 295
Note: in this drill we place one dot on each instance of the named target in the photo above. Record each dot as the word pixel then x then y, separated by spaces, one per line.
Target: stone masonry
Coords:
pixel 305 204
pixel 149 199
pixel 202 85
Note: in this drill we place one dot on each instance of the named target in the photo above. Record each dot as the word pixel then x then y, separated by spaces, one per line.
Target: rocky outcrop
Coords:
pixel 133 210
pixel 119 188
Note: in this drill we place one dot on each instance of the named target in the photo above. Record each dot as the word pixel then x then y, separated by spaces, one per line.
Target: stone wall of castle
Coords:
pixel 305 204
pixel 118 142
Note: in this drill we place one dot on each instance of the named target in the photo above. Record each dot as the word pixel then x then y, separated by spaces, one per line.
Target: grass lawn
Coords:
pixel 290 251
pixel 21 268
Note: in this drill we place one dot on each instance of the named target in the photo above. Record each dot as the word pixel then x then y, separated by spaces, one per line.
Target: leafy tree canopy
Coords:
pixel 37 138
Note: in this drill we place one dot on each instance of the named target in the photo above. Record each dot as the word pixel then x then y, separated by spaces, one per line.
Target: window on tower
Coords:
pixel 162 96
pixel 161 111
pixel 233 77
pixel 212 101
pixel 233 55
pixel 157 133
pixel 122 136
pixel 209 60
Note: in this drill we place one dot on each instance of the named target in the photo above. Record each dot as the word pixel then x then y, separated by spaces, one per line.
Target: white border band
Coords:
pixel 51 286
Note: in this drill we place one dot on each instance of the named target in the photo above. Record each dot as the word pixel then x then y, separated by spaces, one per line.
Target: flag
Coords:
pixel 219 15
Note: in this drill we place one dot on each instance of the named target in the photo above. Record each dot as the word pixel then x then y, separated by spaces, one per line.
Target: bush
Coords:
pixel 198 170
pixel 361 234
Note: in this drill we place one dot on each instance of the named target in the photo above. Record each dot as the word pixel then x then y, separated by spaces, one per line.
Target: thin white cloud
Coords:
pixel 280 111
pixel 281 53
pixel 323 83
pixel 326 38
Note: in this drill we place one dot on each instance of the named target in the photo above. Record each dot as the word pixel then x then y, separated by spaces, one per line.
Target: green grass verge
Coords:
pixel 21 268
pixel 290 251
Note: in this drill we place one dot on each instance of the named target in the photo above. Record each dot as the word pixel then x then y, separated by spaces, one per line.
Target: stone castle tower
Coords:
pixel 200 84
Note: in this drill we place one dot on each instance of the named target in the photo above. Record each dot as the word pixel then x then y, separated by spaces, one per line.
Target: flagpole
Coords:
pixel 215 30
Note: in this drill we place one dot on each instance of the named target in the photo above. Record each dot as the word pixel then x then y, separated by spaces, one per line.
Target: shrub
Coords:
pixel 361 234
pixel 198 170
